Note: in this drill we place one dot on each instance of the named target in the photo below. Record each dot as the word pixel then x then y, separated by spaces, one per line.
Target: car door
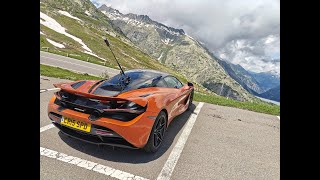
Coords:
pixel 183 95
pixel 177 97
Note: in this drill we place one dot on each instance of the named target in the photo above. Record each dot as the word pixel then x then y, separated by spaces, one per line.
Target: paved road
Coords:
pixel 75 65
pixel 224 143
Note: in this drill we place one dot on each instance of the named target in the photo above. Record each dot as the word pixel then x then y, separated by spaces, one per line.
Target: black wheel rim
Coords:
pixel 159 132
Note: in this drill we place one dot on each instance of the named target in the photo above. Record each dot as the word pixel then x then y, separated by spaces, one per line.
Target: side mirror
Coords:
pixel 190 84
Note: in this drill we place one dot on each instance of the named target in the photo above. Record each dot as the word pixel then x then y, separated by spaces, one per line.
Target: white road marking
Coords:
pixel 92 166
pixel 168 167
pixel 278 117
pixel 44 128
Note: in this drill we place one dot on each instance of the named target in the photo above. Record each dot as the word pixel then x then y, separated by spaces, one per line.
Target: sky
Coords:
pixel 245 32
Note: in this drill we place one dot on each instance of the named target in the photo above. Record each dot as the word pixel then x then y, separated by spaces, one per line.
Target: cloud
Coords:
pixel 240 30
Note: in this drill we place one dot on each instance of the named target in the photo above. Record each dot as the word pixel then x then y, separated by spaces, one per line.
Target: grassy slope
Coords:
pixel 212 99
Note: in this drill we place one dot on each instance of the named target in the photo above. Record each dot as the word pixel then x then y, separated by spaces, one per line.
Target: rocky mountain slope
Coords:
pixel 174 48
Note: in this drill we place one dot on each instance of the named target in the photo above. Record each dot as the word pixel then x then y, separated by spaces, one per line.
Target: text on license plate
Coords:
pixel 76 124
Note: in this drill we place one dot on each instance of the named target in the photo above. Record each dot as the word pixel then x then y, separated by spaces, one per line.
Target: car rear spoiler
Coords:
pixel 67 87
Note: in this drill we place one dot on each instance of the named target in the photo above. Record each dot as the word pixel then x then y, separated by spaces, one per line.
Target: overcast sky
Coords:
pixel 245 32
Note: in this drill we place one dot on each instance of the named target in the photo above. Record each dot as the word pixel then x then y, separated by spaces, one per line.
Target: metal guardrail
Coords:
pixel 46 48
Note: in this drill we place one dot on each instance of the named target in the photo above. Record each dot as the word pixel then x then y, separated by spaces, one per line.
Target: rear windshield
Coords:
pixel 138 79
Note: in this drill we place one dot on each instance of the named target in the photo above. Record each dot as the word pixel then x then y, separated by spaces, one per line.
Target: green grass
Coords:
pixel 262 107
pixel 212 99
pixel 64 74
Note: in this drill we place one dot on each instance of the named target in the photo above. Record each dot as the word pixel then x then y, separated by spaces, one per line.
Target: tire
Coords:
pixel 190 100
pixel 157 133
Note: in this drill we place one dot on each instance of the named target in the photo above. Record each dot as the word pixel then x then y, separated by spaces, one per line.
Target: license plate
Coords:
pixel 83 126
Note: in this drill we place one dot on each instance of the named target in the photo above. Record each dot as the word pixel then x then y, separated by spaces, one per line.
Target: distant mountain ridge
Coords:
pixel 243 77
pixel 273 94
pixel 267 80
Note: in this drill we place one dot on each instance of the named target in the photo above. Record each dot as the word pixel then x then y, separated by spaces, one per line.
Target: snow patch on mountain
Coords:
pixel 160 56
pixel 115 15
pixel 68 15
pixel 87 13
pixel 54 25
pixel 55 43
pixel 166 41
pixel 168 30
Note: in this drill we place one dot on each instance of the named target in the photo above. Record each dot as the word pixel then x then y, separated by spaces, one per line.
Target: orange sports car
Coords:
pixel 132 109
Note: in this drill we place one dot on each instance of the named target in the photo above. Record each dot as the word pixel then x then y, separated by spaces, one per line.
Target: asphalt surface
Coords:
pixel 224 143
pixel 75 65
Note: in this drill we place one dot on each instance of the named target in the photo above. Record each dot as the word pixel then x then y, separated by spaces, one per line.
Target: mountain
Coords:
pixel 174 48
pixel 149 35
pixel 264 84
pixel 243 77
pixel 267 80
pixel 273 94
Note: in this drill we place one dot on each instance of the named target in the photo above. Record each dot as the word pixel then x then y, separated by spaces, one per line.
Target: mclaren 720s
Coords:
pixel 132 109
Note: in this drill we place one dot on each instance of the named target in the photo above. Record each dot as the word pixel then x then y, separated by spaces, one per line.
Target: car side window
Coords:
pixel 161 83
pixel 172 82
pixel 179 84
